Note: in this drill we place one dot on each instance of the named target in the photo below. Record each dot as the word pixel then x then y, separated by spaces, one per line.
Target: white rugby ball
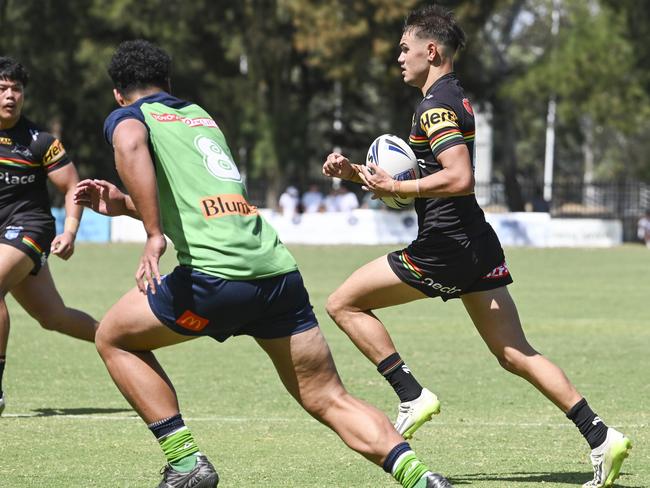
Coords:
pixel 396 157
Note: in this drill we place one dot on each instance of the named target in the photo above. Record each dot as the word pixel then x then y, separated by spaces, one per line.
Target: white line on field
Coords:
pixel 303 420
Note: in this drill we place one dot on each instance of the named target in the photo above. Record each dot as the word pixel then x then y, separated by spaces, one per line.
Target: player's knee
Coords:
pixel 104 340
pixel 511 359
pixel 335 306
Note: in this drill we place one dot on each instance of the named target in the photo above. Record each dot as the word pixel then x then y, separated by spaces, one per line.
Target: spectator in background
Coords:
pixel 643 228
pixel 345 200
pixel 330 201
pixel 289 202
pixel 372 203
pixel 312 200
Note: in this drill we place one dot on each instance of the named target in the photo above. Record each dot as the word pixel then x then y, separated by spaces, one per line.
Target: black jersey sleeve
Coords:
pixel 49 151
pixel 441 126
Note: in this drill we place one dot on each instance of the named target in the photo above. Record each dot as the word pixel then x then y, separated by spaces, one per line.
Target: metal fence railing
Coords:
pixel 625 200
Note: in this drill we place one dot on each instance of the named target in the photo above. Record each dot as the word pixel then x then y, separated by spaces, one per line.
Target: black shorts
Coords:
pixel 453 270
pixel 32 233
pixel 194 303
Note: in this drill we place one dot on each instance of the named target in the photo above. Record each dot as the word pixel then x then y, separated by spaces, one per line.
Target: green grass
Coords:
pixel 66 425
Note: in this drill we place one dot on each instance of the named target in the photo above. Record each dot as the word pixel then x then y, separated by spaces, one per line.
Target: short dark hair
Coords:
pixel 10 69
pixel 139 64
pixel 435 22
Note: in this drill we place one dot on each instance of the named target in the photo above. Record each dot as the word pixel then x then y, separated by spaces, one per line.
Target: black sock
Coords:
pixel 400 378
pixel 2 370
pixel 592 428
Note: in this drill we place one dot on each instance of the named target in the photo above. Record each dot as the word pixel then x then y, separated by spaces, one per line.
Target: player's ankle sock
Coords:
pixel 588 423
pixel 176 442
pixel 405 466
pixel 3 359
pixel 400 378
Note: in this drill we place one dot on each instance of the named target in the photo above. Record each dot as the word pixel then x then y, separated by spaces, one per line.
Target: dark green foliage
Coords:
pixel 289 80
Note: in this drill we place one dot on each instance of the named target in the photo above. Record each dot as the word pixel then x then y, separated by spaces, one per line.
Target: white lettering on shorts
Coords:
pixel 441 287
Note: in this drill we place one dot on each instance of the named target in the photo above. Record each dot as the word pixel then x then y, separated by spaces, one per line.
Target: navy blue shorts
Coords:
pixel 194 303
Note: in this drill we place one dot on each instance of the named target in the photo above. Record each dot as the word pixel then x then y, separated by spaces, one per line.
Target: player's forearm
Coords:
pixel 72 212
pixel 442 184
pixel 129 208
pixel 142 201
pixel 139 179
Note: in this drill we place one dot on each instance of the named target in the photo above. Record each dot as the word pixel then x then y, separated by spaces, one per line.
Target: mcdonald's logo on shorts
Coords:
pixel 190 321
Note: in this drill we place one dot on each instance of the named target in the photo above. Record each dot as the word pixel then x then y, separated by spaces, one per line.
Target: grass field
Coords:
pixel 66 425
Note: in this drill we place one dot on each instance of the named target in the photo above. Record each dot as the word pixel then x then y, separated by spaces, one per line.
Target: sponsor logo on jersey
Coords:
pixel 23 151
pixel 468 106
pixel 437 118
pixel 54 152
pixel 196 122
pixel 500 271
pixel 190 321
pixel 223 205
pixel 6 141
pixel 10 179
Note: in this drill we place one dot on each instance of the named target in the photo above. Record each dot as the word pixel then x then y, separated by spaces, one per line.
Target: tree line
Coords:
pixel 289 80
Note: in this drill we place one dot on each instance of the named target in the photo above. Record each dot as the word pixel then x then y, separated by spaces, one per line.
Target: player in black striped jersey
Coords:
pixel 456 253
pixel 29 157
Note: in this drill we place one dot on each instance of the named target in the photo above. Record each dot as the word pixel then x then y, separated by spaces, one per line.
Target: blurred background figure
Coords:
pixel 372 203
pixel 643 228
pixel 312 200
pixel 330 201
pixel 345 200
pixel 289 202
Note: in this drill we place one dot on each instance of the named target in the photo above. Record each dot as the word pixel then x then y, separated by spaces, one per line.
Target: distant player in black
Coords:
pixel 29 156
pixel 456 253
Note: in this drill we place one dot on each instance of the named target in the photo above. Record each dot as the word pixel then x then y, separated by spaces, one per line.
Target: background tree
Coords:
pixel 290 80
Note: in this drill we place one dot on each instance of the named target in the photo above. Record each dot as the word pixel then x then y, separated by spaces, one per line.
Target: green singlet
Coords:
pixel 202 197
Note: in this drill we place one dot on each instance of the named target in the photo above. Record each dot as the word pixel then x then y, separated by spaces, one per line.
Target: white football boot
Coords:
pixel 607 459
pixel 2 403
pixel 411 415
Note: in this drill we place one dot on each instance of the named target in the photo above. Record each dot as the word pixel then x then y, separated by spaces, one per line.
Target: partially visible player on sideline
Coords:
pixel 235 277
pixel 456 253
pixel 643 228
pixel 29 156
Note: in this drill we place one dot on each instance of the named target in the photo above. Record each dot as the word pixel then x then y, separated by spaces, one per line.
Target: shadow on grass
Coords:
pixel 53 412
pixel 567 478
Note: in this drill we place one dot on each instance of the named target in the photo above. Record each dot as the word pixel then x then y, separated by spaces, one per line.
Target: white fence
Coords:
pixel 387 227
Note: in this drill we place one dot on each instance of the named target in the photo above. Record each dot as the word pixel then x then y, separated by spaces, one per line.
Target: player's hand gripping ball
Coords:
pixel 394 155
